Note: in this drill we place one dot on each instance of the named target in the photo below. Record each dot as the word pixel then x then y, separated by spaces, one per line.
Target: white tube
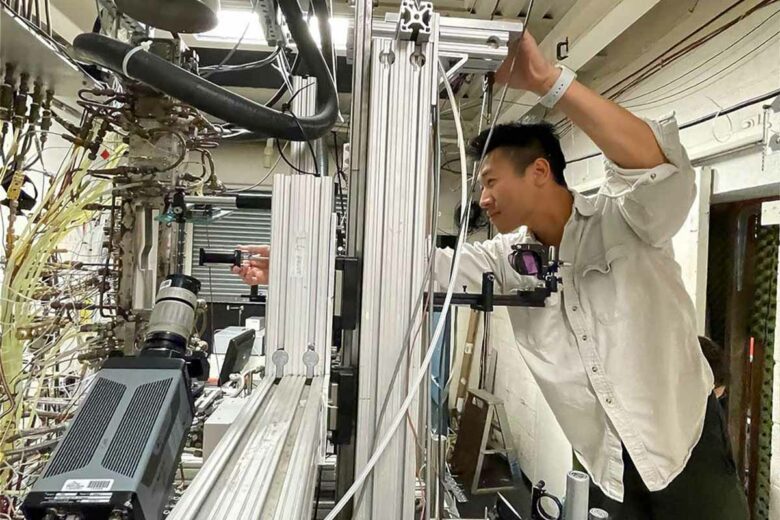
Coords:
pixel 576 505
pixel 598 514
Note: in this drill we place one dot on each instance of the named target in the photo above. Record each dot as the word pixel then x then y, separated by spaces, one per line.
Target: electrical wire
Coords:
pixel 251 65
pixel 287 108
pixel 715 56
pixel 291 165
pixel 236 46
pixel 642 74
pixel 663 59
pixel 734 63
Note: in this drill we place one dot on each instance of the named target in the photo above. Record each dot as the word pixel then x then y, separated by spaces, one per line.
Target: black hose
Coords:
pixel 322 12
pixel 217 101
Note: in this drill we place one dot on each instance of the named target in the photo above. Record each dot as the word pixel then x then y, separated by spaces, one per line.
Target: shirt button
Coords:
pixel 584 337
pixel 595 368
pixel 609 400
pixel 574 308
pixel 652 176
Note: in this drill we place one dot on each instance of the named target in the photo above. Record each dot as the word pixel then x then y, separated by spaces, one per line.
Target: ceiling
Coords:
pixel 545 23
pixel 260 87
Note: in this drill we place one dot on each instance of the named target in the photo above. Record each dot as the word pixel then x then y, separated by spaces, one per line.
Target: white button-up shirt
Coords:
pixel 615 351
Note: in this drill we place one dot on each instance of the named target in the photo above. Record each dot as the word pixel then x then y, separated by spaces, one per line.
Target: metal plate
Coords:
pixel 32 52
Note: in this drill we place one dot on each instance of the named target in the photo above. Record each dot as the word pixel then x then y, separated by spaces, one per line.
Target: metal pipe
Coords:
pixel 47 9
pixel 321 152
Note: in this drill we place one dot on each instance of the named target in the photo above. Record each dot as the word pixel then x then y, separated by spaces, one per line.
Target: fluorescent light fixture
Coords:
pixel 232 23
pixel 338 31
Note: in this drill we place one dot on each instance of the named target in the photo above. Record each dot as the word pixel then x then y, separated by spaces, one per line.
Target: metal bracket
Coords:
pixel 414 23
pixel 455 68
pixel 350 287
pixel 562 49
pixel 345 401
pixel 772 126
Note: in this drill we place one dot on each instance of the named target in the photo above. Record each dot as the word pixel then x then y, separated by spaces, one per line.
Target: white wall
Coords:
pixel 243 164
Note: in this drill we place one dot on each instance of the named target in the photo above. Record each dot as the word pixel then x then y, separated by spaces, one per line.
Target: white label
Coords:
pixel 298 263
pixel 88 485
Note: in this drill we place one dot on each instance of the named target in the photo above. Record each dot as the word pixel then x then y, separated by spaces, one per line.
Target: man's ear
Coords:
pixel 541 171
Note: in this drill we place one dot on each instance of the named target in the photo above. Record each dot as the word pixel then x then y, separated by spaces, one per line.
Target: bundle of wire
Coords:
pixel 41 375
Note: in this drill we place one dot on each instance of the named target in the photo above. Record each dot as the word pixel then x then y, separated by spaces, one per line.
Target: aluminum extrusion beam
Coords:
pixel 300 289
pixel 484 44
pixel 355 162
pixel 264 467
pixel 404 90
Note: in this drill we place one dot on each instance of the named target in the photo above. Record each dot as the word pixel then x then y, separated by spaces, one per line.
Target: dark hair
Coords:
pixel 528 143
pixel 716 357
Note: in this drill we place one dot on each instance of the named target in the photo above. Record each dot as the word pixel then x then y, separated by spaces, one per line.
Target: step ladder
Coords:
pixel 484 418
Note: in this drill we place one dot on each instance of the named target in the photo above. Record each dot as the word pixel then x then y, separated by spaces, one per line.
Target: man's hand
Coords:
pixel 531 70
pixel 255 270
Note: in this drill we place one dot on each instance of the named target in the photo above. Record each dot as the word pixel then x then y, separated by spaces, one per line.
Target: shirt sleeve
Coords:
pixel 476 259
pixel 654 202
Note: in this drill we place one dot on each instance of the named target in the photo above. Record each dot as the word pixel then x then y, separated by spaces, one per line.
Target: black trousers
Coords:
pixel 707 489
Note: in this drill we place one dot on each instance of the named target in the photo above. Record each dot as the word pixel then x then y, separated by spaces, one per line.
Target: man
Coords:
pixel 614 352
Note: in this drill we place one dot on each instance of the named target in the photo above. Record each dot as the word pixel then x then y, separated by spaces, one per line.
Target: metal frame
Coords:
pixel 481 44
pixel 266 465
pixel 395 160
pixel 302 270
pixel 300 289
pixel 404 92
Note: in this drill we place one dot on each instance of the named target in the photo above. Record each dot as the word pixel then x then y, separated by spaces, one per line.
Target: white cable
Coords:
pixel 439 325
pixel 144 46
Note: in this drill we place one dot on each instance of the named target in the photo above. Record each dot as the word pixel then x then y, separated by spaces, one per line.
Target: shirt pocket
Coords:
pixel 599 286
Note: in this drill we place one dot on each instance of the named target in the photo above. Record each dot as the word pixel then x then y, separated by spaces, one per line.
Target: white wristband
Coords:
pixel 557 91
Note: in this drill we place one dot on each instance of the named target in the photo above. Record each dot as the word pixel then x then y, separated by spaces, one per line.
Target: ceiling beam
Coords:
pixel 63 25
pixel 590 25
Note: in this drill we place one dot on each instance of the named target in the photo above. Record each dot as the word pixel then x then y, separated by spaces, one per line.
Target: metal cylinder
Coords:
pixel 576 505
pixel 186 16
pixel 173 316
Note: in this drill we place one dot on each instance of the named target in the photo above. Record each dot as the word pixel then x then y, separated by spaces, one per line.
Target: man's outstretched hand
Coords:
pixel 255 270
pixel 531 70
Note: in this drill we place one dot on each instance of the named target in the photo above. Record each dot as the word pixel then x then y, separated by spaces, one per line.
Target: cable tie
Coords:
pixel 143 46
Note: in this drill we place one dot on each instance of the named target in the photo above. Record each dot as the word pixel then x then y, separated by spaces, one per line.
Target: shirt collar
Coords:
pixel 583 205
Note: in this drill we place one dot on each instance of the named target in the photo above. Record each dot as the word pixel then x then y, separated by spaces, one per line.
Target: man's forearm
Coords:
pixel 624 138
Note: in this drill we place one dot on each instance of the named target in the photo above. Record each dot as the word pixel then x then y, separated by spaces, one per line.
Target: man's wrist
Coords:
pixel 548 82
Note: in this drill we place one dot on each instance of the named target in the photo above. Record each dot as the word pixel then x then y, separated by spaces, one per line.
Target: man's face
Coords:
pixel 508 196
